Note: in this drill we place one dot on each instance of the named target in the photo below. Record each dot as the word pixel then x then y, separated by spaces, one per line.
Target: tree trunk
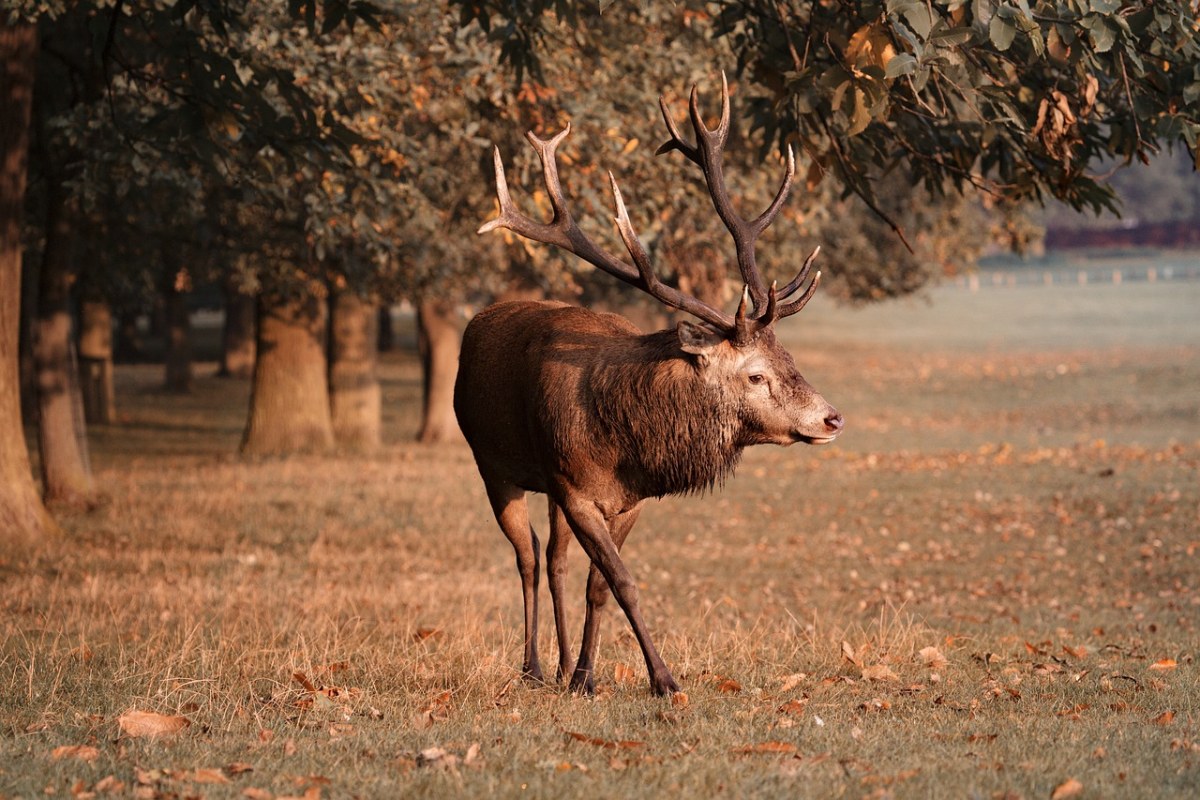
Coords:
pixel 438 342
pixel 66 471
pixel 387 331
pixel 237 335
pixel 354 394
pixel 23 518
pixel 177 361
pixel 289 400
pixel 96 362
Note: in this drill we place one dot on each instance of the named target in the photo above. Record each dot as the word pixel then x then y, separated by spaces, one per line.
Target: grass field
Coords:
pixel 986 588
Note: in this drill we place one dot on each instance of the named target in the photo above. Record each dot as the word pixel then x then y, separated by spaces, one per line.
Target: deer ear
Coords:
pixel 699 340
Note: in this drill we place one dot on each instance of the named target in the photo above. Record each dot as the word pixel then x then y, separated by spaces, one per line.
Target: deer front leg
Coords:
pixel 512 512
pixel 592 531
pixel 556 572
pixel 597 597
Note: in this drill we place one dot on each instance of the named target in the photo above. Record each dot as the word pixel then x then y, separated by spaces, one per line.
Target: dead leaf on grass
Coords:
pixel 849 655
pixel 624 744
pixel 1075 652
pixel 1165 718
pixel 1163 665
pixel 84 752
pixel 624 674
pixel 769 748
pixel 1068 788
pixel 729 686
pixel 252 793
pixel 879 672
pixel 794 707
pixel 792 681
pixel 679 699
pixel 137 724
pixel 208 775
pixel 421 634
pixel 932 657
pixel 109 785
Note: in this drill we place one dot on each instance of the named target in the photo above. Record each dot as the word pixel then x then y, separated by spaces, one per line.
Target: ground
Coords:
pixel 985 588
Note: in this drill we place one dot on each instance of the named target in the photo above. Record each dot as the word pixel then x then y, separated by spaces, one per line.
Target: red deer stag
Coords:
pixel 581 406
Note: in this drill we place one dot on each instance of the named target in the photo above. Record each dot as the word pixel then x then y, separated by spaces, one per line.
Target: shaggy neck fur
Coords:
pixel 674 433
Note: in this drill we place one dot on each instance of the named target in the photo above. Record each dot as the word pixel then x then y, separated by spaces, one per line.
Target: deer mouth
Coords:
pixel 806 439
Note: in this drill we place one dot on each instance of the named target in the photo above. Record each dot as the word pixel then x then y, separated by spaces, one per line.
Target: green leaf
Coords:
pixel 906 63
pixel 1106 6
pixel 948 37
pixel 1002 32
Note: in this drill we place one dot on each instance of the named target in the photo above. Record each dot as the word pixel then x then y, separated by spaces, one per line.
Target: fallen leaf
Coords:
pixel 875 704
pixel 932 657
pixel 1075 652
pixel 625 744
pixel 848 653
pixel 256 794
pixel 437 757
pixel 109 785
pixel 1068 788
pixel 624 674
pixel 303 680
pixel 84 752
pixel 1163 665
pixel 1164 718
pixel 207 775
pixel 729 686
pixel 765 747
pixel 137 724
pixel 421 634
pixel 795 707
pixel 679 699
pixel 792 681
pixel 239 768
pixel 879 672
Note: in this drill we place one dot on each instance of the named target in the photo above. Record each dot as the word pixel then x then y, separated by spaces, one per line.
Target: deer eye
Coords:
pixel 758 379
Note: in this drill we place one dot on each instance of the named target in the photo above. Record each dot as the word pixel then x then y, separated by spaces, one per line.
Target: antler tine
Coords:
pixel 746 329
pixel 677 141
pixel 502 196
pixel 712 138
pixel 767 217
pixel 802 301
pixel 802 275
pixel 547 154
pixel 650 282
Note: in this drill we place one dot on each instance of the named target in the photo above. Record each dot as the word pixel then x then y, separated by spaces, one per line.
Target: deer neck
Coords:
pixel 673 433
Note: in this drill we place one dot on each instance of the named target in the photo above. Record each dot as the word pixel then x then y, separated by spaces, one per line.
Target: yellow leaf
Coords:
pixel 870 47
pixel 879 672
pixel 209 775
pixel 1068 788
pixel 932 657
pixel 624 674
pixel 137 724
pixel 84 752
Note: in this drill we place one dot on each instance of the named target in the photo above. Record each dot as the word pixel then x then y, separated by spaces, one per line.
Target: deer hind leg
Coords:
pixel 556 573
pixel 599 541
pixel 512 512
pixel 597 597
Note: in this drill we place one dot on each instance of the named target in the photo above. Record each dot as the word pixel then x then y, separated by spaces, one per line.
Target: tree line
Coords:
pixel 319 159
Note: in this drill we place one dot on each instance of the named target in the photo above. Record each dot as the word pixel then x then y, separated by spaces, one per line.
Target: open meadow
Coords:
pixel 987 587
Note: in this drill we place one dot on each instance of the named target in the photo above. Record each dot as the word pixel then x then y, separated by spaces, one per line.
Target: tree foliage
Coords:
pixel 1020 99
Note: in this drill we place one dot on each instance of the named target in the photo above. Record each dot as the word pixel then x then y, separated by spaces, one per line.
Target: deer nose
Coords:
pixel 834 422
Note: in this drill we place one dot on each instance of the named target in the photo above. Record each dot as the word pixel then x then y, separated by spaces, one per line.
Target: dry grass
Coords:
pixel 1030 511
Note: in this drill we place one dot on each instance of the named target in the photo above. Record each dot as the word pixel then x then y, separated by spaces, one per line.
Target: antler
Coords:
pixel 707 154
pixel 561 231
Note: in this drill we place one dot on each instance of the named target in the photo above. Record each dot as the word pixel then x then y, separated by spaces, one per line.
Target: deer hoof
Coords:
pixel 583 683
pixel 533 674
pixel 664 686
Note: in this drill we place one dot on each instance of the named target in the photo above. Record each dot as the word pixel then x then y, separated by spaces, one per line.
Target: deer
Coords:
pixel 583 407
